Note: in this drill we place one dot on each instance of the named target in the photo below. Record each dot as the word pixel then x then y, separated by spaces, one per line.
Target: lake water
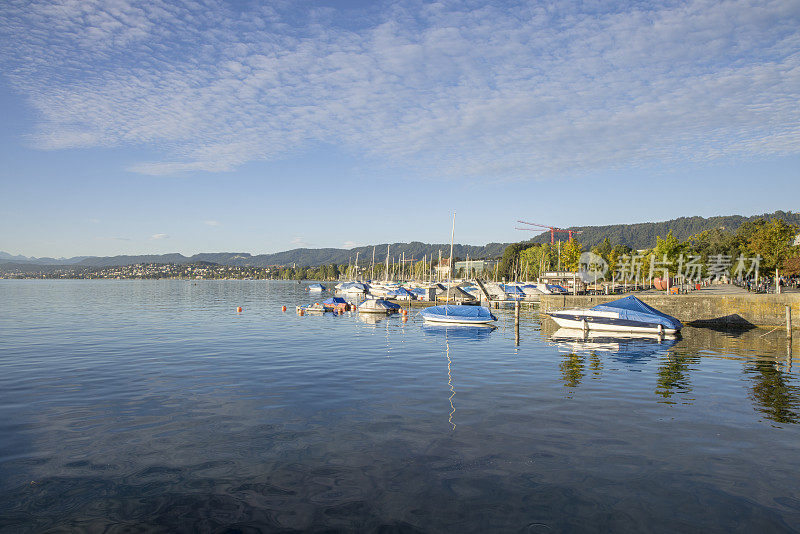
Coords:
pixel 154 406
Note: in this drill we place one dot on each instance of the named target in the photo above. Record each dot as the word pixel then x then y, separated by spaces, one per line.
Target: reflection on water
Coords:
pixel 466 332
pixel 450 384
pixel 774 391
pixel 595 364
pixel 456 332
pixel 572 369
pixel 154 406
pixel 673 374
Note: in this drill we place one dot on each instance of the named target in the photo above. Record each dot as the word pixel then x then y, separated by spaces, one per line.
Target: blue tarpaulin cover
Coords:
pixel 334 301
pixel 475 313
pixel 357 285
pixel 512 290
pixel 400 292
pixel 633 309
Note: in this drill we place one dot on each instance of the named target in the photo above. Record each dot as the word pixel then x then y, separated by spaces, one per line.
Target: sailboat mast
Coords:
pixel 450 260
pixel 386 271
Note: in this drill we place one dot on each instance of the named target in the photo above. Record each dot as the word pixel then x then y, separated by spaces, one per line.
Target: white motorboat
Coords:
pixel 378 306
pixel 458 314
pixel 628 314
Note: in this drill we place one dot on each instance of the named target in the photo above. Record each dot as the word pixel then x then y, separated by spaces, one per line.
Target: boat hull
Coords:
pixel 456 320
pixel 609 324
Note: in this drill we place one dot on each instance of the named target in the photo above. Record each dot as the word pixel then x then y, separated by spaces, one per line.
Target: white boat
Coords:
pixel 316 288
pixel 458 314
pixel 628 314
pixel 353 288
pixel 551 289
pixel 377 306
pixel 311 308
pixel 461 314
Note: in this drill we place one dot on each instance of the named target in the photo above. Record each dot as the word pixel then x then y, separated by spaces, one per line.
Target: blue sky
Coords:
pixel 149 127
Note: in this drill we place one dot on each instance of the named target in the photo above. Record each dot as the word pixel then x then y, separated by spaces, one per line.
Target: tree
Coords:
pixel 534 260
pixel 614 256
pixel 773 241
pixel 603 249
pixel 666 253
pixel 571 255
pixel 508 261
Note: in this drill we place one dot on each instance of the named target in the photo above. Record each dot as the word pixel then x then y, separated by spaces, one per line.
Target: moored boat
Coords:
pixel 316 307
pixel 458 314
pixel 336 303
pixel 628 314
pixel 378 306
pixel 354 288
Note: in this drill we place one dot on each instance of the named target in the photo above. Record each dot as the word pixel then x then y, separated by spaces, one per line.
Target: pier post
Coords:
pixel 516 323
pixel 788 320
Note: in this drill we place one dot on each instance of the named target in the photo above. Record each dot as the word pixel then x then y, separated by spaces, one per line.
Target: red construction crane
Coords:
pixel 553 230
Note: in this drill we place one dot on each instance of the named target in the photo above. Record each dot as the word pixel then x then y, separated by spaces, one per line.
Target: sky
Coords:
pixel 198 126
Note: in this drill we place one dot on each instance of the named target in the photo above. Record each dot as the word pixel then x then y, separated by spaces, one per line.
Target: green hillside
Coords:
pixel 643 235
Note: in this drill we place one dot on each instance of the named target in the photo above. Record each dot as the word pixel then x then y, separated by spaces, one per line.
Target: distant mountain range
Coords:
pixel 637 236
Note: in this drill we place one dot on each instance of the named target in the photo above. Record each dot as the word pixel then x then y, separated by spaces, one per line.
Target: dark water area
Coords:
pixel 130 406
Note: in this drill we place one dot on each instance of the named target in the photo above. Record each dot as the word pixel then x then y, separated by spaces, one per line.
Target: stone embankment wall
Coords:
pixel 730 310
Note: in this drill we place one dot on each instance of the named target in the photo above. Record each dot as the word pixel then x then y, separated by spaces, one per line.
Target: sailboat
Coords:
pixel 457 313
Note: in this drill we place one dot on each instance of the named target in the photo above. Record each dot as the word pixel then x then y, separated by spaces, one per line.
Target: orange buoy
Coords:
pixel 283 308
pixel 405 312
pixel 239 309
pixel 301 312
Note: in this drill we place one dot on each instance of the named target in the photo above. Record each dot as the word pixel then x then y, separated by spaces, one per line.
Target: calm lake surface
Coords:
pixel 154 406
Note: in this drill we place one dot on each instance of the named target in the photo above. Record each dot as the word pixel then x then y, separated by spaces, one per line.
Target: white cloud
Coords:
pixel 159 236
pixel 349 244
pixel 521 91
pixel 212 223
pixel 299 242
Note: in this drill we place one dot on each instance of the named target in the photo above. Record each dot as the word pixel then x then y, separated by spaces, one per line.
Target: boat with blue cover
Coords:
pixel 353 288
pixel 458 314
pixel 336 303
pixel 378 306
pixel 513 292
pixel 628 314
pixel 401 293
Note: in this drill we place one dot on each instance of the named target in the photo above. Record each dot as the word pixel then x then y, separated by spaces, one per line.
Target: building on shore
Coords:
pixel 567 279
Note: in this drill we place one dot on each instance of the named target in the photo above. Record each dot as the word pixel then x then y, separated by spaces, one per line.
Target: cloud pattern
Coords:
pixel 515 90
